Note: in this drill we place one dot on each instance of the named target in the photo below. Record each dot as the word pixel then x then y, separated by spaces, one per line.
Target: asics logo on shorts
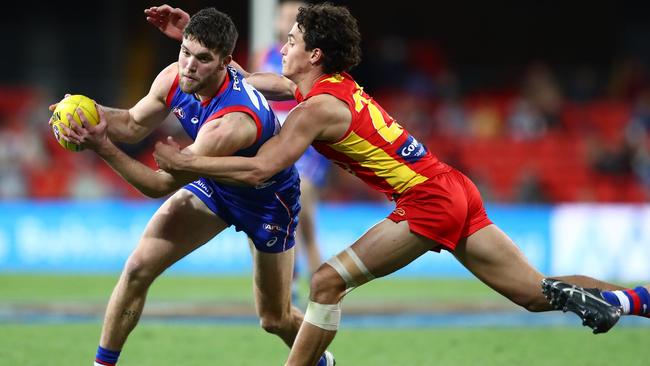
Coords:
pixel 272 242
pixel 399 212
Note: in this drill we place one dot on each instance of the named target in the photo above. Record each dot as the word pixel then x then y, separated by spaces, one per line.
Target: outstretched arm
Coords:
pixel 305 123
pixel 273 86
pixel 170 21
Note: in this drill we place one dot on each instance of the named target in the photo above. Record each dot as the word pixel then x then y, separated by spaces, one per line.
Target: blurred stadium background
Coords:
pixel 545 105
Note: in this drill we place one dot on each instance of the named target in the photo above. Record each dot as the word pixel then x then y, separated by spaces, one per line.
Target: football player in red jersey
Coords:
pixel 437 207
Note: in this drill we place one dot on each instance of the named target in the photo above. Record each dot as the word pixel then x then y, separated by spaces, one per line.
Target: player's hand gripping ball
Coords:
pixel 60 117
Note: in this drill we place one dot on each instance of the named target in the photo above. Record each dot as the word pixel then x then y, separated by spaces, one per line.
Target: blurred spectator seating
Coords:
pixel 588 155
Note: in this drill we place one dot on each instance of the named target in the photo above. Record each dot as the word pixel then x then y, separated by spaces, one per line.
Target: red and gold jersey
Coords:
pixel 375 148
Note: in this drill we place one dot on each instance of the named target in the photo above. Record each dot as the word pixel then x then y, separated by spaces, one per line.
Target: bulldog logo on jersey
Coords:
pixel 179 112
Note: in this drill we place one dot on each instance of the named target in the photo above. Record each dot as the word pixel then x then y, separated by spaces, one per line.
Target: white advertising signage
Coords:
pixel 605 241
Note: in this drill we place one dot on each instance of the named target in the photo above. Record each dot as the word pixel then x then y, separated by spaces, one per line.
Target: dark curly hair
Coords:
pixel 335 31
pixel 214 30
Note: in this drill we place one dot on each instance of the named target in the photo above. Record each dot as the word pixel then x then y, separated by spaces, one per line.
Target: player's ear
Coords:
pixel 316 56
pixel 226 60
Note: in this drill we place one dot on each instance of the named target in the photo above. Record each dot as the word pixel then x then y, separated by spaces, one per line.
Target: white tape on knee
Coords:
pixel 350 267
pixel 324 316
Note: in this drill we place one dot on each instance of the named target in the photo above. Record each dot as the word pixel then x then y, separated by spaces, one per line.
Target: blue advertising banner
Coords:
pixel 99 236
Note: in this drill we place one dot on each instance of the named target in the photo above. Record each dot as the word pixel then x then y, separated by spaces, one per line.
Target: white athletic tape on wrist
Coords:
pixel 350 267
pixel 324 316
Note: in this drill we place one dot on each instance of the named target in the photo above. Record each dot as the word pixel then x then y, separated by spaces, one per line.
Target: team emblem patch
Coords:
pixel 179 112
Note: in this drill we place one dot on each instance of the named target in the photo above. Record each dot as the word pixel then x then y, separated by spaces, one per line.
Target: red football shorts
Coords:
pixel 445 208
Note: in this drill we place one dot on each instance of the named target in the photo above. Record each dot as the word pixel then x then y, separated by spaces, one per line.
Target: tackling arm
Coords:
pixel 273 86
pixel 303 125
pixel 222 136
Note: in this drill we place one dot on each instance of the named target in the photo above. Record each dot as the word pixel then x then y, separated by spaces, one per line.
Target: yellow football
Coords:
pixel 60 117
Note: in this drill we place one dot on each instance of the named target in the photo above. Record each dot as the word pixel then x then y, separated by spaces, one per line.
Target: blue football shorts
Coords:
pixel 268 216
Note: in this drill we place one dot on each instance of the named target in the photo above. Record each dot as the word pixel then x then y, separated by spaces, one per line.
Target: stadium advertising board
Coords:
pixel 603 241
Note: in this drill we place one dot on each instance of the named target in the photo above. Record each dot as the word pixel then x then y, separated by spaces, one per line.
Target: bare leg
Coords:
pixel 492 256
pixel 170 235
pixel 589 282
pixel 272 287
pixel 385 248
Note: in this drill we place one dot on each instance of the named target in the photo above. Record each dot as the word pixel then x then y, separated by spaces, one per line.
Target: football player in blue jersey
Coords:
pixel 223 115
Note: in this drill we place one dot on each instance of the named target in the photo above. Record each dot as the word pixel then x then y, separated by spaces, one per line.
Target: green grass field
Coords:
pixel 155 342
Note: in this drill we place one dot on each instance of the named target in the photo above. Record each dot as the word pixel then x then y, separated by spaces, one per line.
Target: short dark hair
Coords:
pixel 214 30
pixel 335 31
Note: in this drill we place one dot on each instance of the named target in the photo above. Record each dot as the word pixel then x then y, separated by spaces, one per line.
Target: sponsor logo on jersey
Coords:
pixel 271 227
pixel 178 112
pixel 204 188
pixel 194 120
pixel 412 150
pixel 235 80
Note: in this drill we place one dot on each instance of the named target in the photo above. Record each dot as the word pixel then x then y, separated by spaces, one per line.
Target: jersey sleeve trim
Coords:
pixel 172 91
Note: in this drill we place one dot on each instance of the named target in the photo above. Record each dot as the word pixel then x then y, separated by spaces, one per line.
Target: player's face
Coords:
pixel 198 67
pixel 295 60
